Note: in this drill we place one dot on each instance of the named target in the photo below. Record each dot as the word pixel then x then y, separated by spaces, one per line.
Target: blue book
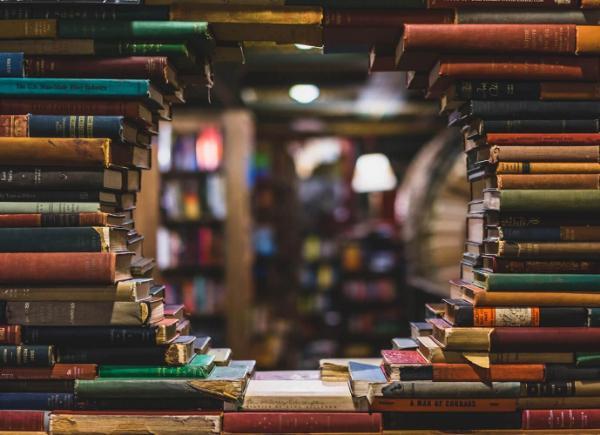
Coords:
pixel 11 65
pixel 79 88
pixel 112 127
pixel 36 401
pixel 363 377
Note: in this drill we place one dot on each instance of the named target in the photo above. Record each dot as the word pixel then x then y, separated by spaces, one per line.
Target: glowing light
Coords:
pixel 304 94
pixel 304 47
pixel 373 173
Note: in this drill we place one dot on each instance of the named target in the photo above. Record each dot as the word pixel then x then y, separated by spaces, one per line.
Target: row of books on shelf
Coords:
pixel 200 295
pixel 193 201
pixel 189 247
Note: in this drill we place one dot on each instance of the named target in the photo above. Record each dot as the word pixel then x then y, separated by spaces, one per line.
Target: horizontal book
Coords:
pixel 37 386
pixel 525 110
pixel 537 282
pixel 384 404
pixel 556 139
pixel 27 355
pixel 43 178
pixel 560 389
pixel 10 334
pixel 533 153
pixel 363 377
pixel 111 127
pixel 495 373
pixel 532 316
pixel 160 333
pixel 177 353
pixel 151 405
pixel 542 201
pixel 450 390
pixel 37 401
pixel 521 4
pixel 509 265
pixel 562 373
pixel 512 90
pixel 516 16
pixel 81 313
pixel 133 110
pixel 460 338
pixel 123 200
pixel 444 421
pixel 546 168
pixel 405 365
pixel 11 64
pixel 28 29
pixel 587 359
pixel 546 181
pixel 191 422
pixel 482 298
pixel 67 239
pixel 24 420
pixel 127 291
pixel 480 128
pixel 567 339
pixel 548 419
pixel 199 367
pixel 541 250
pixel 354 18
pixel 305 422
pixel 83 11
pixel 458 312
pixel 64 267
pixel 41 87
pixel 58 371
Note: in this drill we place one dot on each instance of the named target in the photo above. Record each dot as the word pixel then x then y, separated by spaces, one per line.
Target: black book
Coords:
pixel 36 386
pixel 480 128
pixel 493 90
pixel 451 421
pixel 98 336
pixel 458 312
pixel 560 372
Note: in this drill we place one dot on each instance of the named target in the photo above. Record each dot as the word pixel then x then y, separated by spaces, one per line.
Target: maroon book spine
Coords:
pixel 384 18
pixel 567 339
pixel 29 421
pixel 57 371
pixel 286 422
pixel 515 38
pixel 561 419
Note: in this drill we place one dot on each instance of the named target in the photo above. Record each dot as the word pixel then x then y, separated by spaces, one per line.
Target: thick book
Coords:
pixel 457 422
pixel 199 367
pixel 24 420
pixel 574 169
pixel 520 4
pixel 451 390
pixel 59 371
pixel 552 180
pixel 133 110
pixel 515 110
pixel 563 372
pixel 305 422
pixel 67 239
pixel 384 404
pixel 534 316
pixel 95 199
pixel 101 336
pixel 82 313
pixel 537 282
pixel 85 422
pixel 364 377
pixel 550 419
pixel 405 365
pixel 37 401
pixel 461 338
pixel 37 386
pixel 64 267
pixel 542 201
pixel 144 405
pixel 480 128
pixel 509 265
pixel 27 355
pixel 531 339
pixel 533 153
pixel 28 29
pixel 383 18
pixel 560 389
pixel 458 312
pixel 495 372
pixel 127 291
pixel 542 249
pixel 10 334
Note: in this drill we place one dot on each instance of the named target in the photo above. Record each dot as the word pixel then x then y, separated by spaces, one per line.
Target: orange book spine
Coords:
pixel 10 334
pixel 588 40
pixel 548 181
pixel 545 139
pixel 547 168
pixel 56 151
pixel 490 317
pixel 537 299
pixel 590 4
pixel 496 373
pixel 382 404
pixel 569 91
pixel 544 153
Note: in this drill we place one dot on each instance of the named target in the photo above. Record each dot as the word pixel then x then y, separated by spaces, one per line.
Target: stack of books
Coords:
pixel 515 346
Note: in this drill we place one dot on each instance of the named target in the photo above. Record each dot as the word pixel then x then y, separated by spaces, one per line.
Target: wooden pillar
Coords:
pixel 238 148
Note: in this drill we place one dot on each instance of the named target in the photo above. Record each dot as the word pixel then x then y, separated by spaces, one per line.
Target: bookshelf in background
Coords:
pixel 190 240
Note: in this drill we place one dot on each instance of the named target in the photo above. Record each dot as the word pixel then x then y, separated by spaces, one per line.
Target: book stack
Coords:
pixel 515 346
pixel 84 328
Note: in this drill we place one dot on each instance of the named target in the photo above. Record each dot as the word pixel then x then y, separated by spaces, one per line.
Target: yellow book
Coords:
pixel 27 29
pixel 299 15
pixel 55 151
pixel 279 33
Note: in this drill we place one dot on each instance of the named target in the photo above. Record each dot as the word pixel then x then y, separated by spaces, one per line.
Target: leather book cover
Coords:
pixel 554 139
pixel 544 153
pixel 537 126
pixel 55 151
pixel 506 265
pixel 450 422
pixel 547 168
pixel 81 11
pixel 39 386
pixel 14 125
pixel 543 110
pixel 36 401
pixel 53 220
pixel 532 298
pixel 548 234
pixel 569 91
pixel 549 419
pixel 28 29
pixel 24 420
pixel 400 358
pixel 288 422
pixel 101 336
pixel 495 373
pixel 552 181
pixel 27 355
pixel 567 339
pixel 516 16
pixel 383 17
pixel 57 371
pixel 384 404
pixel 10 334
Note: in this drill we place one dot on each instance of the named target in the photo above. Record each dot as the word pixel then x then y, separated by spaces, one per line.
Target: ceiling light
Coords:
pixel 304 93
pixel 373 173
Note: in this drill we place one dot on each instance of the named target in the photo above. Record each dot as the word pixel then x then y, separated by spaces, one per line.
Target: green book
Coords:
pixel 537 281
pixel 587 359
pixel 542 200
pixel 199 367
pixel 134 30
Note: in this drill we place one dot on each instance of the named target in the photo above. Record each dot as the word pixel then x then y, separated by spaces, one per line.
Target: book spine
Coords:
pixel 526 4
pixel 59 371
pixel 590 4
pixel 305 422
pixel 567 339
pixel 116 371
pixel 463 316
pixel 112 48
pixel 502 110
pixel 443 421
pixel 544 153
pixel 531 17
pixel 28 29
pixel 32 268
pixel 548 389
pixel 503 168
pixel 381 404
pixel 36 401
pixel 542 298
pixel 26 355
pixel 48 196
pixel 532 358
pixel 553 139
pixel 39 386
pixel 14 125
pixel 48 207
pixel 548 250
pixel 11 64
pixel 496 373
pixel 24 420
pixel 550 201
pixel 496 90
pixel 542 282
pixel 500 38
pixel 543 126
pixel 134 30
pixel 566 233
pixel 203 403
pixel 67 239
pixel 366 18
pixel 521 316
pixel 547 419
pixel 50 87
pixel 76 126
pixel 504 265
pixel 84 12
pixel 49 179
pixel 127 388
pixel 571 91
pixel 105 336
pixel 550 181
pixel 10 334
pixel 86 355
pixel 451 390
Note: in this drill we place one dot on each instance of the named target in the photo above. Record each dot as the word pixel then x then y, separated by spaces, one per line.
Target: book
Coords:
pixel 67 239
pixel 222 355
pixel 28 29
pixel 401 343
pixel 450 390
pixel 526 110
pixel 82 313
pixel 58 371
pixel 559 389
pixel 10 334
pixel 27 355
pixel 384 404
pixel 495 372
pixel 160 333
pixel 357 18
pixel 39 386
pixel 522 4
pixel 24 420
pixel 11 64
pixel 516 16
pixel 459 338
pixel 509 265
pixel 531 339
pixel 444 421
pixel 480 128
pixel 521 316
pixel 83 11
pixel 458 312
pixel 296 395
pixel 363 377
pixel 547 419
pixel 541 200
pixel 82 422
pixel 64 267
pixel 536 282
pixel 288 422
pixel 405 365
pixel 37 401
pixel 337 369
pixel 199 367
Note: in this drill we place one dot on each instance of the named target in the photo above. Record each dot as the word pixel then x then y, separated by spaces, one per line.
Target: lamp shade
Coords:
pixel 373 173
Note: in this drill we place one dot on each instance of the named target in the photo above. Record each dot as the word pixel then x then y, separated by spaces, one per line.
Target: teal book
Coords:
pixel 199 367
pixel 537 281
pixel 134 30
pixel 587 359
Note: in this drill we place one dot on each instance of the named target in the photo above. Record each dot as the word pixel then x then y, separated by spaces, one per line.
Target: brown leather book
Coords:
pixel 569 91
pixel 384 17
pixel 524 4
pixel 64 267
pixel 547 168
pixel 545 181
pixel 495 373
pixel 10 334
pixel 385 404
pixel 555 139
pixel 57 371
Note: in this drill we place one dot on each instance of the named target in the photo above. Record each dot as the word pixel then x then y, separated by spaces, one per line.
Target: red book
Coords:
pixel 63 267
pixel 26 421
pixel 383 18
pixel 526 4
pixel 537 68
pixel 301 422
pixel 561 419
pixel 558 139
pixel 57 371
pixel 533 339
pixel 10 334
pixel 443 372
pixel 393 357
